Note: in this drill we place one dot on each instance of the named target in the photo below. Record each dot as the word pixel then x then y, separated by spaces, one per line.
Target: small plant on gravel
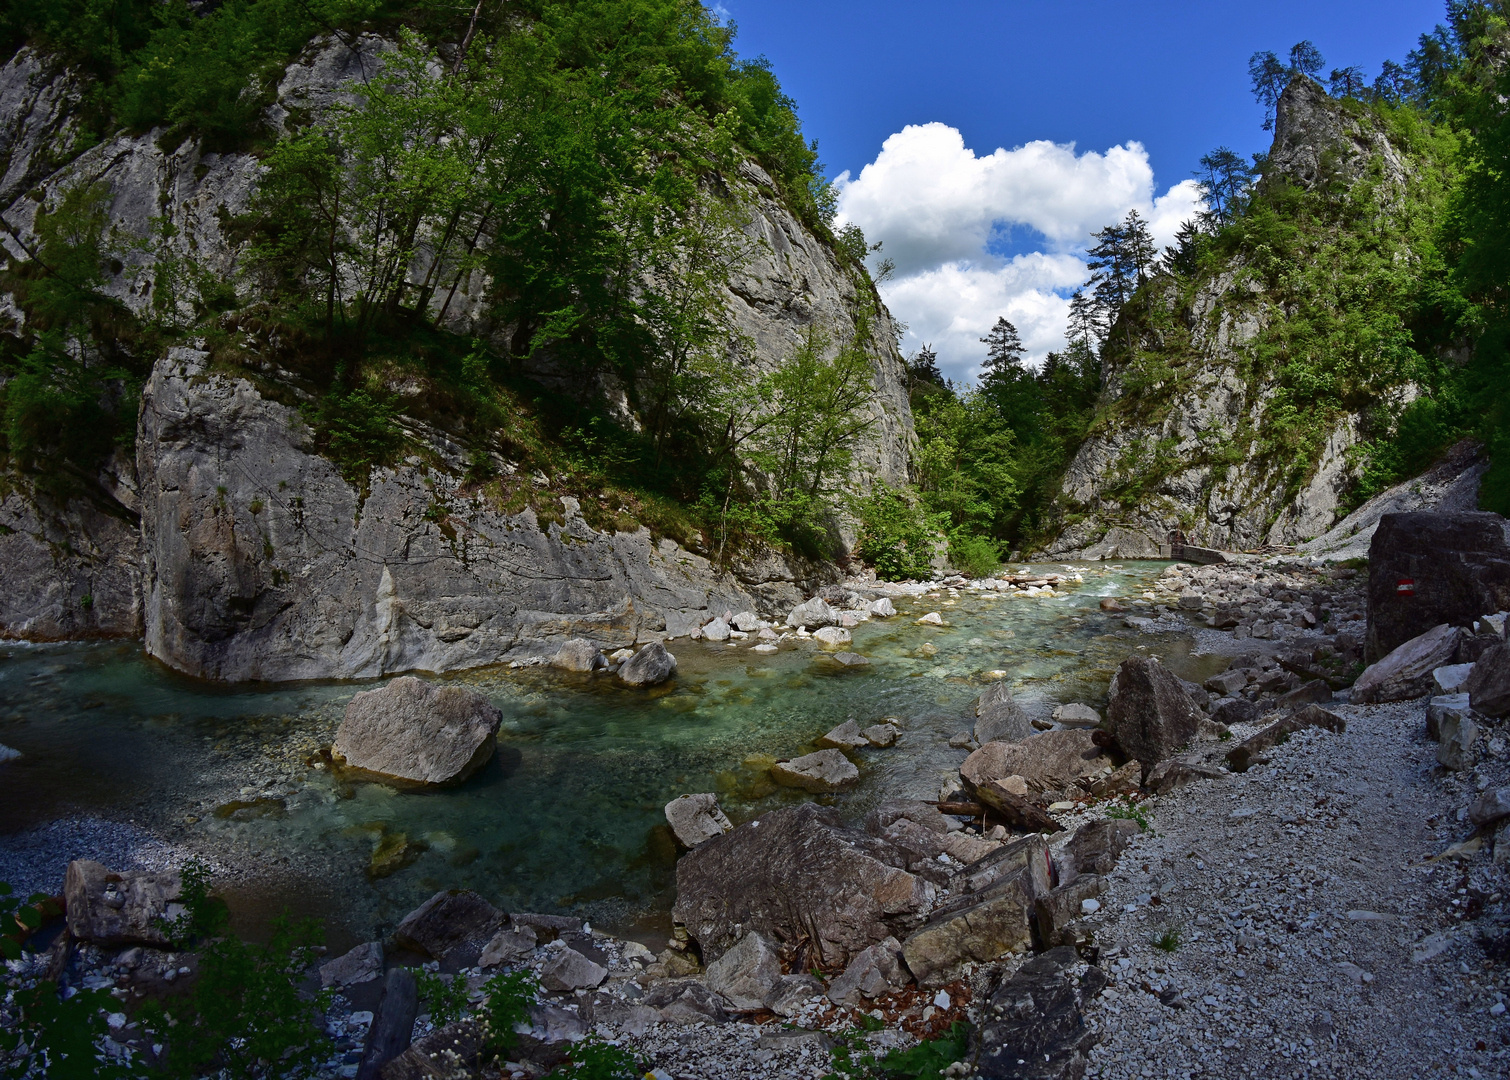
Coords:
pixel 18 920
pixel 594 1059
pixel 445 999
pixel 1128 810
pixel 1168 941
pixel 852 1058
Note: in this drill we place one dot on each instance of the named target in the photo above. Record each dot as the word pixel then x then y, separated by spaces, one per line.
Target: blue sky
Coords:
pixel 1141 90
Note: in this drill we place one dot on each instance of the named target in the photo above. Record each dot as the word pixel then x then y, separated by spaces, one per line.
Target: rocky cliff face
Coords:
pixel 1191 451
pixel 247 556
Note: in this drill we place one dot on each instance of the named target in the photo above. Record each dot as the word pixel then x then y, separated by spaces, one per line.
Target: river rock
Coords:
pixel 1312 716
pixel 746 622
pixel 361 965
pixel 696 819
pixel 1490 807
pixel 882 608
pixel 687 1001
pixel 797 875
pixel 851 660
pixel 748 973
pixel 569 970
pixel 979 928
pixel 1443 706
pixel 832 636
pixel 813 614
pixel 1488 685
pixel 455 1051
pixel 933 618
pixel 1455 748
pixel 1149 712
pixel 1048 760
pixel 846 736
pixel 111 909
pixel 450 920
pixel 1062 905
pixel 417 732
pixel 1033 1026
pixel 792 993
pixel 1406 671
pixel 1175 773
pixel 881 735
pixel 509 946
pixel 1077 715
pixel 998 717
pixel 1095 847
pixel 1427 569
pixel 875 970
pixel 717 630
pixel 825 770
pixel 578 654
pixel 1451 678
pixel 651 666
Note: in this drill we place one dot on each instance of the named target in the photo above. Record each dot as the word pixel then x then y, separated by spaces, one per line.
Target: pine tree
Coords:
pixel 1348 82
pixel 1225 179
pixel 1004 349
pixel 1305 59
pixel 923 369
pixel 1086 325
pixel 1181 259
pixel 1270 76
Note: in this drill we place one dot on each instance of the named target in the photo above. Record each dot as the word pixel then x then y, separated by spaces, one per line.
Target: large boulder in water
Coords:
pixel 798 877
pixel 1407 671
pixel 418 732
pixel 1149 711
pixel 814 614
pixel 651 666
pixel 825 770
pixel 1425 569
pixel 998 717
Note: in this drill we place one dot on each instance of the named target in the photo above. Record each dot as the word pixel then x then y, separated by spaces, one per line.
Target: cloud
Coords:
pixel 937 207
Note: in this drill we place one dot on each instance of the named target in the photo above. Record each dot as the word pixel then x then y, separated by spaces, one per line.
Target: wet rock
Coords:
pixel 509 946
pixel 1488 686
pixel 1076 715
pixel 1313 716
pixel 882 608
pixel 933 618
pixel 874 971
pixel 746 622
pixel 361 965
pixel 717 630
pixel 687 1001
pixel 696 818
pixel 546 927
pixel 999 718
pixel 881 735
pixel 1455 748
pixel 1096 847
pixel 1033 1026
pixel 832 636
pixel 578 654
pixel 825 770
pixel 1490 807
pixel 792 992
pixel 813 614
pixel 796 875
pixel 1175 773
pixel 851 660
pixel 1429 569
pixel 108 908
pixel 651 666
pixel 392 853
pixel 1149 712
pixel 417 732
pixel 748 973
pixel 1048 760
pixel 1406 672
pixel 569 970
pixel 844 737
pixel 449 920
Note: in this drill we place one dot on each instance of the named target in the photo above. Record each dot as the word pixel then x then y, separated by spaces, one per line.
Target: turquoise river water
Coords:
pixel 568 815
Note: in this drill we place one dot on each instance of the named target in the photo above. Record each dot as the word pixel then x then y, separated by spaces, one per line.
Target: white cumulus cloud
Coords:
pixel 937 207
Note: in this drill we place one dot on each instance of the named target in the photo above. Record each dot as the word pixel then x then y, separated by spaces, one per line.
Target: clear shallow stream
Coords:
pixel 568 816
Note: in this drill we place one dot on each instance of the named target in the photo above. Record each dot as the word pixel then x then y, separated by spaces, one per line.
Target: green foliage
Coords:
pixel 852 1058
pixel 507 1001
pixel 17 920
pixel 593 1059
pixel 246 1014
pixel 63 1036
pixel 1128 810
pixel 444 999
pixel 896 535
pixel 972 555
pixel 1168 941
pixel 356 429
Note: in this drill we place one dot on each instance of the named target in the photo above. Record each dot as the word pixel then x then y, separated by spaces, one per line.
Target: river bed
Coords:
pixel 568 815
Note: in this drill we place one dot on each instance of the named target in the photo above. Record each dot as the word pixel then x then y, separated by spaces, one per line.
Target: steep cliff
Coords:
pixel 246 554
pixel 1240 414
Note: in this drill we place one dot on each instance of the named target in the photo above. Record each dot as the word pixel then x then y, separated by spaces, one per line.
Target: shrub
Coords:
pixel 896 536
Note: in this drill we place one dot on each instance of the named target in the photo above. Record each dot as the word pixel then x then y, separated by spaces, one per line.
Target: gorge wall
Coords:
pixel 1181 439
pixel 239 553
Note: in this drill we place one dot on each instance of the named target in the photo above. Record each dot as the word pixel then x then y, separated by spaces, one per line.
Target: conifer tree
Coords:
pixel 1004 348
